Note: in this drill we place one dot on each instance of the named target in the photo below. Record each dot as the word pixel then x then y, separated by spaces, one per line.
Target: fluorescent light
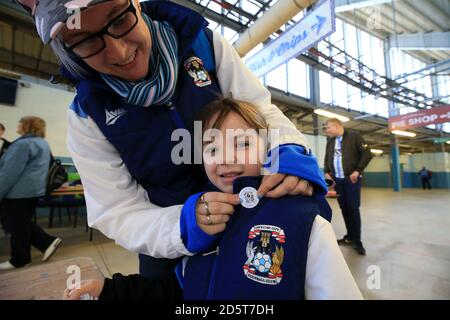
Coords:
pixel 331 115
pixel 376 151
pixel 404 133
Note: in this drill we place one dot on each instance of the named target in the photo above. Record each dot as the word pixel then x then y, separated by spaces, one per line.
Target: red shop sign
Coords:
pixel 420 118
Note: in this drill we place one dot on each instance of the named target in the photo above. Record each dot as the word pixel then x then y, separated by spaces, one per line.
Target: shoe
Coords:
pixel 359 248
pixel 9 266
pixel 51 249
pixel 6 266
pixel 345 241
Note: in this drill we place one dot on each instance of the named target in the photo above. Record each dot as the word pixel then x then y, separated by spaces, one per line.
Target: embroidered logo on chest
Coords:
pixel 114 115
pixel 195 68
pixel 265 254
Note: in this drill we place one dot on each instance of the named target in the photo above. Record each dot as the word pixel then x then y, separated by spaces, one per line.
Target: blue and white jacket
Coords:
pixel 134 192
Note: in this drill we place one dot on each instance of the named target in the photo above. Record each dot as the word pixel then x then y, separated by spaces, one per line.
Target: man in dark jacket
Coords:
pixel 347 154
pixel 4 144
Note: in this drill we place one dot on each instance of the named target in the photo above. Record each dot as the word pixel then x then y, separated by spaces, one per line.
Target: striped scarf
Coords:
pixel 160 86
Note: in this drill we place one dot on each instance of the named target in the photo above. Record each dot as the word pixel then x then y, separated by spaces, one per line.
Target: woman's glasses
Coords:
pixel 116 28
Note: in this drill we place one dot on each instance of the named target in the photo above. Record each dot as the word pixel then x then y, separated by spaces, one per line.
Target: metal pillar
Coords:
pixel 435 92
pixel 393 111
pixel 314 96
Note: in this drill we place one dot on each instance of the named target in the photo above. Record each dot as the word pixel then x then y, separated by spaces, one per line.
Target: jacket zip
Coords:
pixel 213 273
pixel 175 115
pixel 211 252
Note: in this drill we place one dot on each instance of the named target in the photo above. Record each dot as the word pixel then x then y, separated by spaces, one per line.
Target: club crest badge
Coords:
pixel 249 197
pixel 195 68
pixel 265 254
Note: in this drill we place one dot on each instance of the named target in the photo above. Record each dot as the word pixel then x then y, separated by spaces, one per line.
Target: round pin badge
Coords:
pixel 249 197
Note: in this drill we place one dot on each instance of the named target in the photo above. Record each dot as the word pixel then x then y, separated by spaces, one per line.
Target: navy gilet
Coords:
pixel 261 255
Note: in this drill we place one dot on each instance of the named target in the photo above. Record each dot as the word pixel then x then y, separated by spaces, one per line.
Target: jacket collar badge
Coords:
pixel 195 68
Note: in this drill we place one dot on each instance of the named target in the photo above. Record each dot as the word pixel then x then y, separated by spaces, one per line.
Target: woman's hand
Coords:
pixel 279 184
pixel 93 287
pixel 213 211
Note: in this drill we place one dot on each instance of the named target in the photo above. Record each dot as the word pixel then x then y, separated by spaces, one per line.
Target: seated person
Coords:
pixel 270 248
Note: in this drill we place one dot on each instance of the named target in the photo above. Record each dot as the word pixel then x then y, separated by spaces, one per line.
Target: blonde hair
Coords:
pixel 223 107
pixel 33 125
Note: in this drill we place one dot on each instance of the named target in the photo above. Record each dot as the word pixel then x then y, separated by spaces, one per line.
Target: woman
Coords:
pixel 4 144
pixel 23 176
pixel 143 70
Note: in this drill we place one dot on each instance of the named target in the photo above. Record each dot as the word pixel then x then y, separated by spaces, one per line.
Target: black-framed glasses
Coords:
pixel 116 28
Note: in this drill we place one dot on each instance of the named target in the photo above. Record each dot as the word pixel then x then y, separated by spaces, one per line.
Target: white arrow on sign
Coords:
pixel 314 27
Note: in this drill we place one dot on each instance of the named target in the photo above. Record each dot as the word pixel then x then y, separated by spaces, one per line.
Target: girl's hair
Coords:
pixel 222 108
pixel 33 125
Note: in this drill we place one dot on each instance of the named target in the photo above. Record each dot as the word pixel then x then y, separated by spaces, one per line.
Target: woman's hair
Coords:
pixel 66 60
pixel 33 125
pixel 2 127
pixel 222 108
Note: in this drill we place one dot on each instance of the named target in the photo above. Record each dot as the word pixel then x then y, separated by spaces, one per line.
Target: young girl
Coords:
pixel 292 254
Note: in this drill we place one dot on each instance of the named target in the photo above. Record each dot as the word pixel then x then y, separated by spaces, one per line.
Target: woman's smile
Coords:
pixel 129 62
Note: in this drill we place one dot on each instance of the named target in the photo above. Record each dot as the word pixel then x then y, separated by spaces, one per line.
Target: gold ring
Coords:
pixel 202 198
pixel 206 208
pixel 208 218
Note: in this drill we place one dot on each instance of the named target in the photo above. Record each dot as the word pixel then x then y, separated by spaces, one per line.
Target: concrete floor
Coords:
pixel 406 235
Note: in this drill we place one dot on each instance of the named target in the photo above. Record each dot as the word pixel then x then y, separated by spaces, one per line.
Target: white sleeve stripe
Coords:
pixel 327 274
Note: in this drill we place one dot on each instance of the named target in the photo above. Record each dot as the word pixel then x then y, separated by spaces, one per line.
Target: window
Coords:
pixel 298 78
pixel 326 88
pixel 277 78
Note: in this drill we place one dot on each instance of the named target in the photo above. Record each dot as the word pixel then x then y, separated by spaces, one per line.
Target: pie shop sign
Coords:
pixel 420 118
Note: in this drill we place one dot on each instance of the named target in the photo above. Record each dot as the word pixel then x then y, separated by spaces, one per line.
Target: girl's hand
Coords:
pixel 213 211
pixel 279 184
pixel 93 287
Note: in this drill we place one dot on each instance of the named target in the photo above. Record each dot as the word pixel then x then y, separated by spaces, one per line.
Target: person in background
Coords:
pixel 23 176
pixel 347 154
pixel 425 177
pixel 4 144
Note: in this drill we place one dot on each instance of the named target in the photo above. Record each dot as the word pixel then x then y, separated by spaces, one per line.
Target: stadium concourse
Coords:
pixel 364 86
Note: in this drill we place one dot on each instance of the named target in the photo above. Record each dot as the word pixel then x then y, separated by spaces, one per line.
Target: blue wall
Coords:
pixel 440 180
pixel 377 179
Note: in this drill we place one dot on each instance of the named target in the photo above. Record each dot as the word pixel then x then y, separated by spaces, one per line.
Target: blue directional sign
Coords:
pixel 315 26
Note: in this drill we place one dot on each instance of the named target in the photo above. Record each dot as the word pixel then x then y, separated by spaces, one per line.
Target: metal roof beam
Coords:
pixel 32 65
pixel 439 16
pixel 419 17
pixel 210 14
pixel 349 5
pixel 421 41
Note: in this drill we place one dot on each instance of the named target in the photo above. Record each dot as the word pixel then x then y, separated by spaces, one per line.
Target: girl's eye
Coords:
pixel 243 144
pixel 211 151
